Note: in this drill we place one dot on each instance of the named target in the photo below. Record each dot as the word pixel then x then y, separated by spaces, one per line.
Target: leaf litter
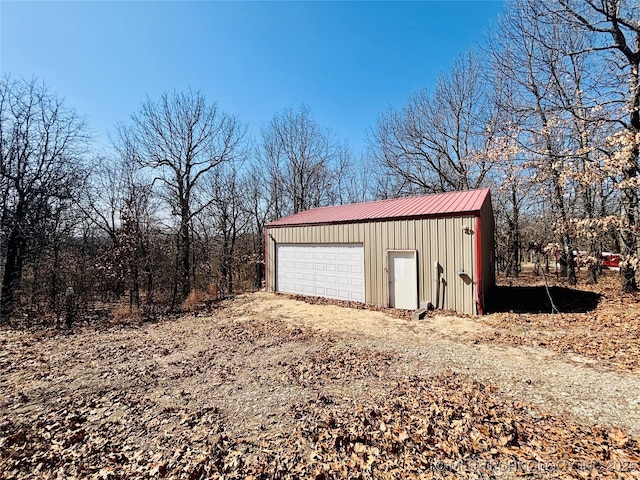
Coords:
pixel 249 392
pixel 608 333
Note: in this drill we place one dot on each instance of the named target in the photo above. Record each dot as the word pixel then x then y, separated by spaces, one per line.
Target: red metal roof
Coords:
pixel 440 204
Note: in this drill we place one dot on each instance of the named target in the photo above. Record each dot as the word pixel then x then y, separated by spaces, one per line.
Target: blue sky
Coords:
pixel 347 61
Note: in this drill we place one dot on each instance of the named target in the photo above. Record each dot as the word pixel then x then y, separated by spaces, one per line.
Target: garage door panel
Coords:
pixel 344 295
pixel 333 271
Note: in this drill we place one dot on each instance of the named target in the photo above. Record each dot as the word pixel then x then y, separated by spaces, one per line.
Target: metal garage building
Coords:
pixel 401 253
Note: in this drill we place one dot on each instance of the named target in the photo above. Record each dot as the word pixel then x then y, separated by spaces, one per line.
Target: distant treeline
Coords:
pixel 547 116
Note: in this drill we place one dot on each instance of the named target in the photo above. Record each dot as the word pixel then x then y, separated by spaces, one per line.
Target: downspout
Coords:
pixel 436 284
pixel 479 293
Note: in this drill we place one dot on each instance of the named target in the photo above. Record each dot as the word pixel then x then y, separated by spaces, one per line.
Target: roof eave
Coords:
pixel 467 213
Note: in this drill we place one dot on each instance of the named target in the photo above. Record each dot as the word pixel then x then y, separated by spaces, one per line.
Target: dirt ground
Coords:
pixel 266 386
pixel 571 384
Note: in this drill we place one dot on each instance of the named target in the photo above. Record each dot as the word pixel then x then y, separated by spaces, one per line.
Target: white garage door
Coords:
pixel 333 271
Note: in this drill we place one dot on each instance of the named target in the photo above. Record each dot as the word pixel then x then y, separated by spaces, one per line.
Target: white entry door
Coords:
pixel 333 271
pixel 403 280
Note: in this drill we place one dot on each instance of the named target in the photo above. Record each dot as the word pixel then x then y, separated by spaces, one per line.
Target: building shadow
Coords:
pixel 536 300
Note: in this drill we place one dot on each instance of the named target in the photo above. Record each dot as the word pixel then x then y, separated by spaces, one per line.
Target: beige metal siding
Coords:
pixel 449 241
pixel 452 246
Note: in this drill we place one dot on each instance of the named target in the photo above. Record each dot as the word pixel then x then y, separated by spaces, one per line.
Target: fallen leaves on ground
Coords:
pixel 596 321
pixel 609 333
pixel 239 396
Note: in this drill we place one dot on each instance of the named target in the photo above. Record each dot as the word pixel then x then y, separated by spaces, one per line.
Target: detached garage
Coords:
pixel 401 253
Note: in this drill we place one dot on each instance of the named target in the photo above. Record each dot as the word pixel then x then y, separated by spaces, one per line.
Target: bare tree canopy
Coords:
pixel 574 71
pixel 548 116
pixel 437 142
pixel 300 161
pixel 41 145
pixel 228 213
pixel 616 26
pixel 180 138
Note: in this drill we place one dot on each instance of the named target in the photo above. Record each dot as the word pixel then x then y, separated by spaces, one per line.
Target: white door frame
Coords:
pixel 390 283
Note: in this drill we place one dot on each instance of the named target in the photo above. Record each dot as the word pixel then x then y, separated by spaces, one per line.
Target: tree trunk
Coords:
pixel 513 247
pixel 593 272
pixel 53 290
pixel 567 244
pixel 226 280
pixel 229 277
pixel 513 255
pixel 12 274
pixel 185 269
pixel 571 264
pixel 628 239
pixel 147 270
pixel 594 266
pixel 134 292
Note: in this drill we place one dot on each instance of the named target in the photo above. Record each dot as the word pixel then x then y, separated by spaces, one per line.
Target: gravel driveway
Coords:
pixel 553 382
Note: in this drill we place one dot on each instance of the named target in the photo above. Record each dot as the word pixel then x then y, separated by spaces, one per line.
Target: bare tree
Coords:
pixel 573 68
pixel 299 160
pixel 353 178
pixel 549 110
pixel 524 68
pixel 438 141
pixel 180 138
pixel 259 206
pixel 121 205
pixel 104 198
pixel 41 145
pixel 229 216
pixel 615 28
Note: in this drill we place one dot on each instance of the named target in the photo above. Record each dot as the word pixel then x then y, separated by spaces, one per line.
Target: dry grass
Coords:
pixel 124 314
pixel 195 300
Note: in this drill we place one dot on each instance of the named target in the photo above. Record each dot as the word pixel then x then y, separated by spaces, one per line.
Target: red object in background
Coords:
pixel 610 260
